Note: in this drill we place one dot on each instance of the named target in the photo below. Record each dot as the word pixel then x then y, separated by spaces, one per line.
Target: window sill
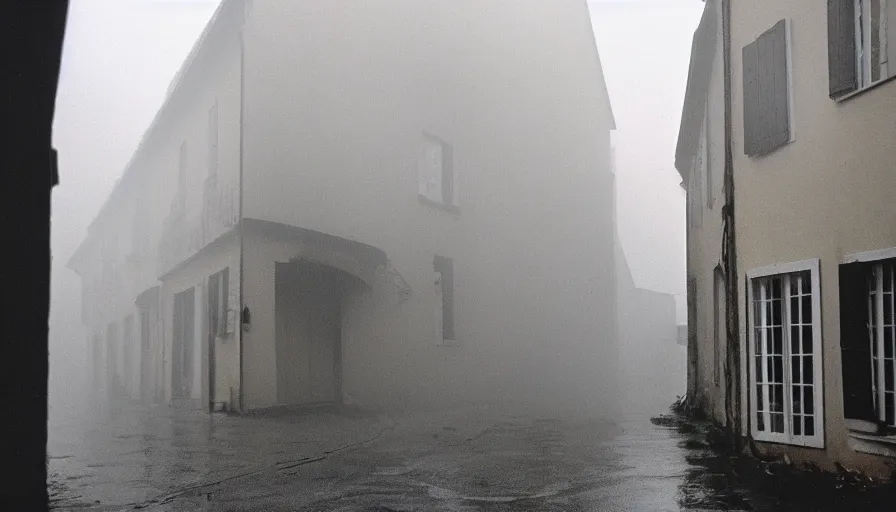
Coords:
pixel 781 439
pixel 437 205
pixel 873 444
pixel 859 92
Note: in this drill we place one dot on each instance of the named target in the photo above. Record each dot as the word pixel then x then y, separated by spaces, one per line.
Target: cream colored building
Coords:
pixel 812 117
pixel 386 203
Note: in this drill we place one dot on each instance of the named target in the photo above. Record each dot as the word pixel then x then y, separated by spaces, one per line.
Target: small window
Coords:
pixel 766 82
pixel 785 354
pixel 860 39
pixel 868 342
pixel 436 172
pixel 871 41
pixel 182 163
pixel 213 140
pixel 444 286
pixel 218 291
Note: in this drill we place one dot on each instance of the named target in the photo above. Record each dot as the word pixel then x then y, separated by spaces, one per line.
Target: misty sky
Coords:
pixel 120 56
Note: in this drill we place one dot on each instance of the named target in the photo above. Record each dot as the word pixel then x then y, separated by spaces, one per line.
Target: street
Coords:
pixel 471 459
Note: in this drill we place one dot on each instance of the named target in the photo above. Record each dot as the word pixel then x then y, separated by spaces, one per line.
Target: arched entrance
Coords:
pixel 308 318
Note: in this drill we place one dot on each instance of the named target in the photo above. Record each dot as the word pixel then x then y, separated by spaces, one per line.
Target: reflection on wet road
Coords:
pixel 475 459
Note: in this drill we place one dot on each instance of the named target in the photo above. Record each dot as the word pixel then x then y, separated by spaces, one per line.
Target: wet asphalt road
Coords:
pixel 473 459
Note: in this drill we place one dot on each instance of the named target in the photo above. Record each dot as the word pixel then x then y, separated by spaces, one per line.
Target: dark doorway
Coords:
pixel 182 350
pixel 113 373
pixel 308 333
pixel 127 350
pixel 146 384
pixel 217 301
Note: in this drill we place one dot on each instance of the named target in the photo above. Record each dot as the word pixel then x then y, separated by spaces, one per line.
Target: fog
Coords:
pixel 619 305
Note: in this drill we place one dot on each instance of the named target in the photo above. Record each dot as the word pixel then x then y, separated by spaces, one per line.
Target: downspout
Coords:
pixel 239 313
pixel 729 254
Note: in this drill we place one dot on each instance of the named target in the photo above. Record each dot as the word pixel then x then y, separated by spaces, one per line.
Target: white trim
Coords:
pixel 862 426
pixel 788 37
pixel 818 439
pixel 880 254
pixel 875 445
pixel 786 268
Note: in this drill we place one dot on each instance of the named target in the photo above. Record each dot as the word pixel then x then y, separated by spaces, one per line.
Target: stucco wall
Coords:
pixel 825 195
pixel 705 237
pixel 221 255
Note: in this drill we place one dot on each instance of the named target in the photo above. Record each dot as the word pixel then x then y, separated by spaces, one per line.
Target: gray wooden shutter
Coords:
pixel 766 92
pixel 842 72
pixel 778 120
pixel 751 98
pixel 855 346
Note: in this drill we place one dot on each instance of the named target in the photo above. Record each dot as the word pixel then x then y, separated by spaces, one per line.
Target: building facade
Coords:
pixel 808 127
pixel 415 211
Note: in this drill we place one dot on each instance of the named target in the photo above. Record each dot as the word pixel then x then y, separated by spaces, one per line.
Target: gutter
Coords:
pixel 239 313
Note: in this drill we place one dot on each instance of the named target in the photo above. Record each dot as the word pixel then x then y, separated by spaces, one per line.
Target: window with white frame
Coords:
pixel 861 36
pixel 871 41
pixel 436 180
pixel 868 341
pixel 882 334
pixel 785 354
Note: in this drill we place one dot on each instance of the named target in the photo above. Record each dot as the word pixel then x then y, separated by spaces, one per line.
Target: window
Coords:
pixel 883 343
pixel 767 102
pixel 213 140
pixel 218 291
pixel 868 341
pixel 436 172
pixel 785 354
pixel 182 177
pixel 859 43
pixel 444 269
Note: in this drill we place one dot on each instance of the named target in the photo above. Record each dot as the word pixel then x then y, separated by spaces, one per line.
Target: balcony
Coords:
pixel 183 236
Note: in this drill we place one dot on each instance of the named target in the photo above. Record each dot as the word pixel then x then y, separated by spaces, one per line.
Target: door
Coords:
pixel 113 373
pixel 182 350
pixel 145 356
pixel 307 324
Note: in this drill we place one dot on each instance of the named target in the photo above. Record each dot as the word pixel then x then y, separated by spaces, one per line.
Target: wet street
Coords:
pixel 474 459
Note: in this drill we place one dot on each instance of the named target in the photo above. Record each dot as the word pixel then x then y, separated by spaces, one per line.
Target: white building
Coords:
pixel 388 203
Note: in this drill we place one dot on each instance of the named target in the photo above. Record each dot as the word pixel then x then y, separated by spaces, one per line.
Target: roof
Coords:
pixel 703 51
pixel 227 19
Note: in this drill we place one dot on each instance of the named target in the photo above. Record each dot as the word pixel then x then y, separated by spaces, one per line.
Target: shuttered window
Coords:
pixel 868 343
pixel 859 43
pixel 766 92
pixel 841 47
pixel 436 172
pixel 855 349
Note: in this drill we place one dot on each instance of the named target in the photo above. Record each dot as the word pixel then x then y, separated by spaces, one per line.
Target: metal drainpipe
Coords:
pixel 240 226
pixel 733 375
